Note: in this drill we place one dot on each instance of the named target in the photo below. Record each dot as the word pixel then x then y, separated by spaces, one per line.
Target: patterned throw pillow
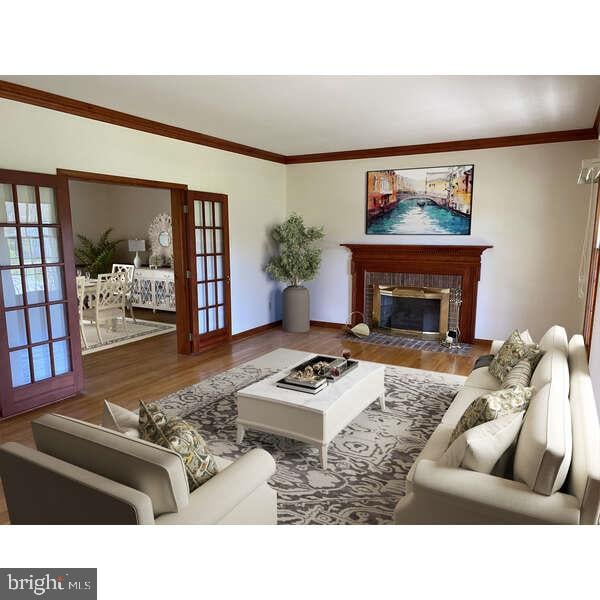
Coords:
pixel 177 434
pixel 491 406
pixel 512 351
pixel 520 374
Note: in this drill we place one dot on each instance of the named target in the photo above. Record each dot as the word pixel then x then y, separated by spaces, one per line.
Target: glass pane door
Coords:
pixel 39 344
pixel 210 267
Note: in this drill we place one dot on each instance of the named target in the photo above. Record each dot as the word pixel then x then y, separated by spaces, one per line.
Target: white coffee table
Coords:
pixel 314 419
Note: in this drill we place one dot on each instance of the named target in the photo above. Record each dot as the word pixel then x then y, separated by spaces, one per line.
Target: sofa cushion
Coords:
pixel 183 438
pixel 157 472
pixel 543 453
pixel 482 378
pixel 555 339
pixel 120 419
pixel 511 352
pixel 520 374
pixel 553 367
pixel 480 448
pixel 491 406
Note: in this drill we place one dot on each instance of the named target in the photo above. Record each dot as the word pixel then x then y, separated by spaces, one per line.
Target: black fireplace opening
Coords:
pixel 410 314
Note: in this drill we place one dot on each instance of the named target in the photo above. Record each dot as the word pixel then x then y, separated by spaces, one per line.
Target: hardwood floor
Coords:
pixel 151 368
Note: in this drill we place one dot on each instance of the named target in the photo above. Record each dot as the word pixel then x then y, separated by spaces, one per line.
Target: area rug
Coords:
pixel 120 335
pixel 384 339
pixel 368 460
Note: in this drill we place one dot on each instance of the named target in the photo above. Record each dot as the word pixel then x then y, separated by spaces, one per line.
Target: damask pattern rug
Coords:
pixel 368 460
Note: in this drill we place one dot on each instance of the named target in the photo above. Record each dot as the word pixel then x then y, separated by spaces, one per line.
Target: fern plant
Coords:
pixel 298 260
pixel 97 257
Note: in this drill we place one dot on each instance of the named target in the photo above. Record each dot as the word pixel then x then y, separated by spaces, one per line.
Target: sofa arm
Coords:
pixel 217 497
pixel 43 490
pixel 464 496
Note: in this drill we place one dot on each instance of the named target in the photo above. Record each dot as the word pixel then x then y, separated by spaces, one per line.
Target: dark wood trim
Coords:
pixel 592 285
pixel 242 335
pixel 399 258
pixel 327 324
pixel 180 266
pixel 596 125
pixel 29 95
pixel 547 137
pixel 119 180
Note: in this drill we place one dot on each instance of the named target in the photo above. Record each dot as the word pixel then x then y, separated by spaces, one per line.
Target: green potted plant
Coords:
pixel 298 261
pixel 96 257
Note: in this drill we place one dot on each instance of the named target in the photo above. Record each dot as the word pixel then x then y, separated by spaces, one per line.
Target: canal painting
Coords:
pixel 427 201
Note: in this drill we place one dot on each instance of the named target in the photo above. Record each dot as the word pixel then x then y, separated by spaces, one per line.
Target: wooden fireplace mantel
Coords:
pixel 463 260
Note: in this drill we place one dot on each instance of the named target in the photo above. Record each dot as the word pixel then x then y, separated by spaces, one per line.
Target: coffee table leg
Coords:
pixel 241 430
pixel 382 402
pixel 324 456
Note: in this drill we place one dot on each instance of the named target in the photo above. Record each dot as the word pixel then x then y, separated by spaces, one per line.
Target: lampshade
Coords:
pixel 137 245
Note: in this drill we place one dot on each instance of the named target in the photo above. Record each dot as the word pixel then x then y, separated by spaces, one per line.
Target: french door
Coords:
pixel 40 349
pixel 208 245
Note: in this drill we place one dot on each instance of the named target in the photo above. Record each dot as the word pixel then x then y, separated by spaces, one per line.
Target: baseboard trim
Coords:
pixel 255 330
pixel 482 341
pixel 327 324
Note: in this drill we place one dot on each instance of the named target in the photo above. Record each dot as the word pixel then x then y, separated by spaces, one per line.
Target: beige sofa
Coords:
pixel 559 441
pixel 87 474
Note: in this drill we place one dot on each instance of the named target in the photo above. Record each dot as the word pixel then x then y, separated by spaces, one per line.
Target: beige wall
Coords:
pixel 40 140
pixel 127 209
pixel 525 203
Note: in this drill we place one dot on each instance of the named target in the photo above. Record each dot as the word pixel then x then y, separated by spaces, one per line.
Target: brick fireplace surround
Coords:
pixel 416 266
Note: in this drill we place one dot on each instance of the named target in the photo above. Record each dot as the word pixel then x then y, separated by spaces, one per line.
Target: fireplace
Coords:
pixel 420 312
pixel 422 266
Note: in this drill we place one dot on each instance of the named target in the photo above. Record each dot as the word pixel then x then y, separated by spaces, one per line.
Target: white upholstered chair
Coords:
pixel 109 302
pixel 129 270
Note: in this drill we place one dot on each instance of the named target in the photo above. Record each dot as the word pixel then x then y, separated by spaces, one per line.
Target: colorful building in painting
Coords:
pixel 460 189
pixel 382 192
pixel 436 185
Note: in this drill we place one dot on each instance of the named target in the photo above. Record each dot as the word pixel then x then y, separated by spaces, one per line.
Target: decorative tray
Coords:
pixel 313 375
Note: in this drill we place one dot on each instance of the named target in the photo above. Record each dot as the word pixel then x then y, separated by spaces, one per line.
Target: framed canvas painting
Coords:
pixel 425 201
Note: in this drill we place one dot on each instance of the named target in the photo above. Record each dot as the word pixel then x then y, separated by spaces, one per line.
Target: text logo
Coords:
pixel 48 584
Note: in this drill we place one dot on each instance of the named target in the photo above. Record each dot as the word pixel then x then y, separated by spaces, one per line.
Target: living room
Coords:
pixel 360 309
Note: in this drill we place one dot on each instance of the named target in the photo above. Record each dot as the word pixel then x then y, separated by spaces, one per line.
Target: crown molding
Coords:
pixel 547 137
pixel 29 95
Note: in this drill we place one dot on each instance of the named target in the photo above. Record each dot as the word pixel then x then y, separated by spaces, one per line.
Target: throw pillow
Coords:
pixel 520 374
pixel 481 447
pixel 179 435
pixel 511 352
pixel 120 419
pixel 526 337
pixel 491 406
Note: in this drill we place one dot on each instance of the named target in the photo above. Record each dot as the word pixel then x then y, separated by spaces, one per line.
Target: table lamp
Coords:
pixel 137 246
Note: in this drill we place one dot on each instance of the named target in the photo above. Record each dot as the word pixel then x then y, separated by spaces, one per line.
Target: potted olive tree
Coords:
pixel 298 261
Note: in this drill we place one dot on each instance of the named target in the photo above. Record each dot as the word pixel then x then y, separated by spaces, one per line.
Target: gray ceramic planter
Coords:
pixel 296 309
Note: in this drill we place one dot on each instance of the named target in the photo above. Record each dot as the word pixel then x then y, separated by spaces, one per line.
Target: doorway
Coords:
pixel 201 280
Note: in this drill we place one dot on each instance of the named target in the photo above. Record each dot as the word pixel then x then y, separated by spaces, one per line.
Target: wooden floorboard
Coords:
pixel 150 369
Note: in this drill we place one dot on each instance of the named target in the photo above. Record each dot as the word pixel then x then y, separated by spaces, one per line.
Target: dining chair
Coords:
pixel 129 270
pixel 81 302
pixel 109 302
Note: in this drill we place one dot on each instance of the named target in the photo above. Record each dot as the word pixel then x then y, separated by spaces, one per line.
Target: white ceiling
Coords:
pixel 305 114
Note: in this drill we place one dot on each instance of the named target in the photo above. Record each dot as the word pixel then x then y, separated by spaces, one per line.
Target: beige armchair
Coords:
pixel 86 474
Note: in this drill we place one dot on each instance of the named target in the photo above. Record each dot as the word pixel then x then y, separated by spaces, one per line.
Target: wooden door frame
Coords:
pixel 593 276
pixel 180 249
